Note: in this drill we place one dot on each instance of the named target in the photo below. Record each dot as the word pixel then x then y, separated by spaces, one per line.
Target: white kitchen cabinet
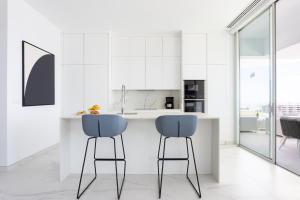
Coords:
pixel 72 89
pixel 120 46
pixel 154 73
pixel 128 46
pixel 219 98
pixel 217 89
pixel 154 46
pixel 137 74
pixel 171 46
pixel 120 72
pixel 128 71
pixel 217 53
pixel 171 73
pixel 194 49
pixel 149 63
pixel 96 86
pixel 73 49
pixel 194 72
pixel 162 73
pixel 137 46
pixel 96 49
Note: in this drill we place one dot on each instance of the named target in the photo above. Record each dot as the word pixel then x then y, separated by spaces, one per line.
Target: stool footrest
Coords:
pixel 173 159
pixel 109 159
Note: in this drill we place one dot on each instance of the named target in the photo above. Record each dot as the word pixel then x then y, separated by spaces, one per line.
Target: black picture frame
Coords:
pixel 38 84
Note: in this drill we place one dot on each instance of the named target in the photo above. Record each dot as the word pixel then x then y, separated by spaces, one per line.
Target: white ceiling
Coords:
pixel 139 15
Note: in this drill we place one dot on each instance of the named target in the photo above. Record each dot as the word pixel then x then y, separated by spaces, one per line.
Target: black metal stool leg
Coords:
pixel 197 191
pixel 158 153
pixel 116 167
pixel 95 150
pixel 124 159
pixel 162 167
pixel 83 164
pixel 188 156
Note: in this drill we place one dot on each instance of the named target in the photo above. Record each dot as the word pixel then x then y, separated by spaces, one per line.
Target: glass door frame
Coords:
pixel 272 25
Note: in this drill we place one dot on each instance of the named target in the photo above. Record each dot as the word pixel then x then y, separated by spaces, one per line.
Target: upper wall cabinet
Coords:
pixel 154 46
pixel 194 55
pixel 146 62
pixel 129 72
pixel 194 49
pixel 73 49
pixel 96 48
pixel 137 46
pixel 217 48
pixel 124 46
pixel 171 73
pixel 120 46
pixel 171 46
pixel 154 73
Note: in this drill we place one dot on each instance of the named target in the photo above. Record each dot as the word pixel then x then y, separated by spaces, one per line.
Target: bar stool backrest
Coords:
pixel 176 125
pixel 103 125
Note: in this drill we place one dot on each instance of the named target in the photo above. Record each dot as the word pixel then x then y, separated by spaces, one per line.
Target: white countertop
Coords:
pixel 149 114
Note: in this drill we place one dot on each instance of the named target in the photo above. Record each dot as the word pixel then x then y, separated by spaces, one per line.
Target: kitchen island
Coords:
pixel 141 141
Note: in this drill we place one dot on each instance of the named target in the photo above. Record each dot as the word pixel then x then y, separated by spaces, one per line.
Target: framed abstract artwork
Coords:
pixel 38 85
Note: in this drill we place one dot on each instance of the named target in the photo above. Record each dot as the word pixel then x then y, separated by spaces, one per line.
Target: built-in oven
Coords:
pixel 194 106
pixel 194 96
pixel 194 89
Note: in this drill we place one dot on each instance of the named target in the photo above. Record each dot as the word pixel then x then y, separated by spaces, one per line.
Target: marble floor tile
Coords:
pixel 243 177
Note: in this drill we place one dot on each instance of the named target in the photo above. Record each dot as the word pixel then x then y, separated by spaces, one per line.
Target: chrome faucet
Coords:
pixel 123 94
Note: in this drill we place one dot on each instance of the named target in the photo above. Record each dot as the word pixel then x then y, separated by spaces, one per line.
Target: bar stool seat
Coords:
pixel 176 126
pixel 99 126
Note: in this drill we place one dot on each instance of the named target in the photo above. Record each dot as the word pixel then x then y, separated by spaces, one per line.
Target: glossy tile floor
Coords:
pixel 244 177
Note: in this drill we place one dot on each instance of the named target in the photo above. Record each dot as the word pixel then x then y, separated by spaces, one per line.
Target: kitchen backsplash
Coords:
pixel 144 99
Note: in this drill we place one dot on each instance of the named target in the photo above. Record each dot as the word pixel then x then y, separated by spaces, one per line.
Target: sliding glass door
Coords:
pixel 255 89
pixel 288 82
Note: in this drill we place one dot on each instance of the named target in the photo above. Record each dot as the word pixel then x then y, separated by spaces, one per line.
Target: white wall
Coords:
pixel 29 129
pixel 3 38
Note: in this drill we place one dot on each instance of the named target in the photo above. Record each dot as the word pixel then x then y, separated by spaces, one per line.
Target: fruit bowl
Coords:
pixel 94 110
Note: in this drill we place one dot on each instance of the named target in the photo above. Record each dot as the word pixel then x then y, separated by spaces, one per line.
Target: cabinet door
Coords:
pixel 96 86
pixel 154 73
pixel 194 49
pixel 137 46
pixel 194 72
pixel 171 73
pixel 171 46
pixel 219 97
pixel 128 71
pixel 154 46
pixel 73 49
pixel 217 48
pixel 217 89
pixel 120 46
pixel 136 74
pixel 120 72
pixel 72 89
pixel 96 49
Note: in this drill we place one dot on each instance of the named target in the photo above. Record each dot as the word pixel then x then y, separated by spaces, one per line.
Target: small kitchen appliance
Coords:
pixel 169 103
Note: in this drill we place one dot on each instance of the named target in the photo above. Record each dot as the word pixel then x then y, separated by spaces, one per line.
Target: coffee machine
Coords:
pixel 169 103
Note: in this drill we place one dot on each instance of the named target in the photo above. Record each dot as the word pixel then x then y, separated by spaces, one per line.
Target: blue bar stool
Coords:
pixel 98 126
pixel 176 126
